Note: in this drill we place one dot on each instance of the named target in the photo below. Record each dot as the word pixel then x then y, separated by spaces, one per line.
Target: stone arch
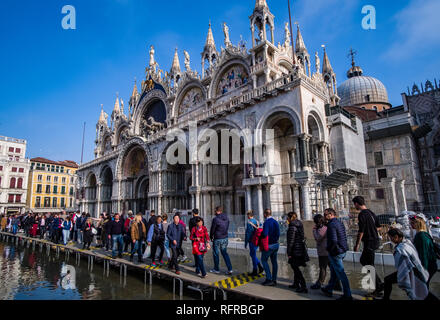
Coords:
pixel 182 93
pixel 148 100
pixel 133 143
pixel 275 114
pixel 314 120
pixel 284 63
pixel 226 66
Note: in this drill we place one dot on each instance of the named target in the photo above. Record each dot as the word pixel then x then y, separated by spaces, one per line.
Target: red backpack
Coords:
pixel 258 241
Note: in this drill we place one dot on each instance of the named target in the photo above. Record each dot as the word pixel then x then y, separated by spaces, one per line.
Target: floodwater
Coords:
pixel 27 274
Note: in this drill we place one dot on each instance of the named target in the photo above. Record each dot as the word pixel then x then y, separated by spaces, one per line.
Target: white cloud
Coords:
pixel 417 30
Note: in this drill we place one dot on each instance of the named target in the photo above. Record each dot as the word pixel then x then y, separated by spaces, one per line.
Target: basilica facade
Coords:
pixel 317 149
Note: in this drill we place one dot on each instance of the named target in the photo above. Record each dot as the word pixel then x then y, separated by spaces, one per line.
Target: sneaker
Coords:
pixel 214 271
pixel 316 286
pixel 253 274
pixel 178 273
pixel 301 290
pixel 161 263
pixel 203 277
pixel 345 298
pixel 228 273
pixel 269 283
pixel 154 264
pixel 184 258
pixel 326 292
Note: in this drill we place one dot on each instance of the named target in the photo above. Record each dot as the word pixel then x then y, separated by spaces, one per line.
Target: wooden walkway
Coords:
pixel 214 284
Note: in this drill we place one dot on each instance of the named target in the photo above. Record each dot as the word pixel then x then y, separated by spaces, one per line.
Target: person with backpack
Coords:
pixel 219 237
pixel 138 234
pixel 271 232
pixel 296 251
pixel 104 235
pixel 200 244
pixel 336 247
pixel 410 276
pixel 156 238
pixel 67 225
pixel 425 246
pixel 368 233
pixel 251 229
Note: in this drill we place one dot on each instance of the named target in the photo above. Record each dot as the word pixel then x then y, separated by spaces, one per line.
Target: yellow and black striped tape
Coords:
pixel 236 281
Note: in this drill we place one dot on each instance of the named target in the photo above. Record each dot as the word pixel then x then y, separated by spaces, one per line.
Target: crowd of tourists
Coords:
pixel 154 237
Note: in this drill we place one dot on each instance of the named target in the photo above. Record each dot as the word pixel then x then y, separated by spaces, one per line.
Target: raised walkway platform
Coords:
pixel 240 283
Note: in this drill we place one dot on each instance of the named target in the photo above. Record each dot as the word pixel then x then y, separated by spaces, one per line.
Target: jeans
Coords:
pixel 66 234
pixel 14 229
pixel 118 241
pixel 337 272
pixel 367 259
pixel 253 254
pixel 137 247
pixel 221 244
pixel 154 246
pixel 167 248
pixel 80 236
pixel 200 266
pixel 272 253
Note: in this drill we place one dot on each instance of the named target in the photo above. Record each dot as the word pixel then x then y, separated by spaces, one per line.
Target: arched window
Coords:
pixel 20 183
pixel 12 184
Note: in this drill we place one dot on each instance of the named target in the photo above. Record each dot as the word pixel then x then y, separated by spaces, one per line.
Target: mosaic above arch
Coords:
pixel 233 78
pixel 192 98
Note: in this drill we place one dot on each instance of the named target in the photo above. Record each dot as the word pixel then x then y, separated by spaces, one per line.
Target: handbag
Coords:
pixel 94 231
pixel 202 247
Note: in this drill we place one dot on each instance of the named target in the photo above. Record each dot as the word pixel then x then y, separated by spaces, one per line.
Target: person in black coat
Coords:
pixel 296 251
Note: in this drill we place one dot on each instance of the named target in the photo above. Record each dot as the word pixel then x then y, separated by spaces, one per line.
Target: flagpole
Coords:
pixel 82 149
pixel 291 34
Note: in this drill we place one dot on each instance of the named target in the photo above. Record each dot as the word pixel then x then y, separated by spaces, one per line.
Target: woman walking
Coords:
pixel 296 251
pixel 320 235
pixel 67 225
pixel 200 238
pixel 425 246
pixel 167 242
pixel 87 234
pixel 138 234
pixel 251 227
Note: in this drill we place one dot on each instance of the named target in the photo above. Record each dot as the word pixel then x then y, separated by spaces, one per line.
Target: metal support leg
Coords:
pixel 91 264
pixel 224 294
pixel 198 290
pixel 108 268
pixel 180 289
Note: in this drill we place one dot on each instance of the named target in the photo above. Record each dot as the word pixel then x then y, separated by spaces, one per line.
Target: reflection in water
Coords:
pixel 27 274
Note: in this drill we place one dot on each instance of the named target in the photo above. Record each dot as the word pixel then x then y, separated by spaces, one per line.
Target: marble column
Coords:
pixel 296 207
pixel 390 196
pixel 307 210
pixel 260 200
pixel 248 198
pixel 401 195
pixel 99 203
pixel 268 188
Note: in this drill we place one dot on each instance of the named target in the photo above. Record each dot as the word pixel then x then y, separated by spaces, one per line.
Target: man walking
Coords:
pixel 114 231
pixel 337 248
pixel 219 238
pixel 368 234
pixel 175 234
pixel 271 229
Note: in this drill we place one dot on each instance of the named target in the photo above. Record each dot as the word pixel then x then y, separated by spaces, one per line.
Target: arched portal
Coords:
pixel 91 194
pixel 283 160
pixel 134 171
pixel 106 190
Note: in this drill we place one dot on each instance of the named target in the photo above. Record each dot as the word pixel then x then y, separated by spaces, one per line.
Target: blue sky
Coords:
pixel 53 80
